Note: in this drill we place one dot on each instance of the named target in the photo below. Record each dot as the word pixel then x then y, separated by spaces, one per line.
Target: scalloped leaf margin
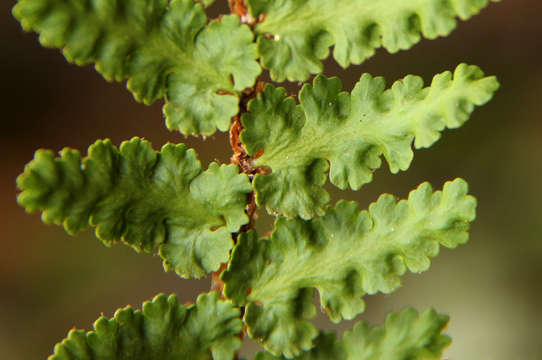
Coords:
pixel 163 329
pixel 345 255
pixel 348 133
pixel 165 50
pixel 406 336
pixel 150 200
pixel 294 35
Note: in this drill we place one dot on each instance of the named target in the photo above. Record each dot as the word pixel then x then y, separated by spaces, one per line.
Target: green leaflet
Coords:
pixel 406 336
pixel 344 255
pixel 296 34
pixel 164 49
pixel 145 198
pixel 164 329
pixel 351 132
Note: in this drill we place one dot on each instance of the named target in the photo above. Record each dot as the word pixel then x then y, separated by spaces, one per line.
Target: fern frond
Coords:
pixel 164 49
pixel 145 198
pixel 296 34
pixel 345 255
pixel 163 329
pixel 406 336
pixel 351 132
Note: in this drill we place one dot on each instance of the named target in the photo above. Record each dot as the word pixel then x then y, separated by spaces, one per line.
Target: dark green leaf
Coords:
pixel 163 48
pixel 145 198
pixel 163 330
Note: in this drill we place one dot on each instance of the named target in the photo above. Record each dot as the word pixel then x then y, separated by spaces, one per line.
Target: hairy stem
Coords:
pixel 240 156
pixel 246 165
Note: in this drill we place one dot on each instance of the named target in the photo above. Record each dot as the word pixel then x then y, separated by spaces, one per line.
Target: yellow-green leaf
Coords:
pixel 350 132
pixel 296 34
pixel 344 255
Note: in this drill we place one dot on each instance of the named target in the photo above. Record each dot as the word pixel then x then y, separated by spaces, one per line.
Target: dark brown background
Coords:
pixel 491 287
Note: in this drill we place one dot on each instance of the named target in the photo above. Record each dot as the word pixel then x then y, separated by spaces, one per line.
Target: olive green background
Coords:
pixel 491 287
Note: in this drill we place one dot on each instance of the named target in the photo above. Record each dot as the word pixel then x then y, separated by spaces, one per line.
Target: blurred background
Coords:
pixel 491 287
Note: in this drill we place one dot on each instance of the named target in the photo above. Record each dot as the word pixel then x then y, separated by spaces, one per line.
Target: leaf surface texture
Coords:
pixel 150 200
pixel 344 255
pixel 406 336
pixel 348 133
pixel 296 34
pixel 163 329
pixel 164 49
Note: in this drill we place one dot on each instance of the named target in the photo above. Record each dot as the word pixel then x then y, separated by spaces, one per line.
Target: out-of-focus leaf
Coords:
pixel 406 336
